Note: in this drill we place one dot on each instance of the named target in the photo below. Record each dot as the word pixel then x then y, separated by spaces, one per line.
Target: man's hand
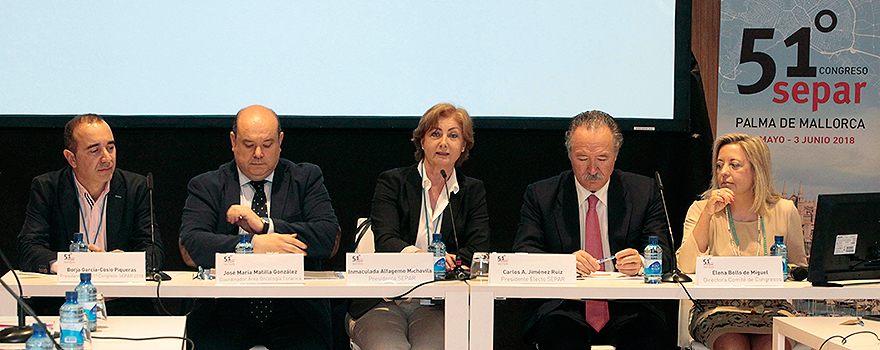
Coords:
pixel 628 261
pixel 245 218
pixel 278 243
pixel 586 263
pixel 450 261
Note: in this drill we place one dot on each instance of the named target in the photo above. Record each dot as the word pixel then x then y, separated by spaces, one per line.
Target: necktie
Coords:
pixel 596 310
pixel 259 202
pixel 261 309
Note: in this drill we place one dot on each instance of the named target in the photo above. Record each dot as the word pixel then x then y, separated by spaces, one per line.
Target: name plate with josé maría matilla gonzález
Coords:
pixel 258 268
pixel 122 267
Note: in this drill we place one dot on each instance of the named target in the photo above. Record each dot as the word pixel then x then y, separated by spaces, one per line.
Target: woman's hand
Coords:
pixel 719 199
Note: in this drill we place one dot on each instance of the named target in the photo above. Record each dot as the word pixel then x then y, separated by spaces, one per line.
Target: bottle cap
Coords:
pixel 77 237
pixel 85 277
pixel 70 296
pixel 438 236
pixel 779 239
pixel 37 328
pixel 652 239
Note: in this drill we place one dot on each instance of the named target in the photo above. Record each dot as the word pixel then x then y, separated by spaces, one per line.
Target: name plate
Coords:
pixel 128 267
pixel 518 268
pixel 739 271
pixel 378 268
pixel 258 268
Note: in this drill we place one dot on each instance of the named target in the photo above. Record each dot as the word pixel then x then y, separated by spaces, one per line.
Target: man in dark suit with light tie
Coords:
pixel 285 207
pixel 594 211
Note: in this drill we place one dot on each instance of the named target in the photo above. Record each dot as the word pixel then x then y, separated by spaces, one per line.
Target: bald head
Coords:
pixel 256 141
pixel 255 110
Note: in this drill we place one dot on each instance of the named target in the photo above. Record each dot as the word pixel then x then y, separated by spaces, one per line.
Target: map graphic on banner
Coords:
pixel 804 76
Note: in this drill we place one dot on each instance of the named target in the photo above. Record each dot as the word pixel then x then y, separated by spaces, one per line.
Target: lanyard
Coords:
pixel 428 218
pixel 82 214
pixel 735 241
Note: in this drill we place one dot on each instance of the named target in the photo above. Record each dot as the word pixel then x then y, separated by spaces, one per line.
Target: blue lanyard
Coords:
pixel 428 218
pixel 82 213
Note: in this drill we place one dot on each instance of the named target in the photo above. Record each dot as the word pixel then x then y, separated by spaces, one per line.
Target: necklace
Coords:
pixel 735 241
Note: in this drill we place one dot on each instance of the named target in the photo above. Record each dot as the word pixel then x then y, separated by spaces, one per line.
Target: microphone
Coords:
pixel 799 273
pixel 20 333
pixel 458 272
pixel 154 273
pixel 674 275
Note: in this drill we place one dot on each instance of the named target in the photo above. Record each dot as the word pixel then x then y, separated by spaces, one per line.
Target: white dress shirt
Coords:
pixel 429 227
pixel 602 210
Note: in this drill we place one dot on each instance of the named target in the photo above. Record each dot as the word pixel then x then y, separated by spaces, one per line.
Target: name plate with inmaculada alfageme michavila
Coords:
pixel 379 268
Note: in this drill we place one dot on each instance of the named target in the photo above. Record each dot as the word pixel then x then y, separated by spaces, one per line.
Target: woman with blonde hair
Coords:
pixel 739 215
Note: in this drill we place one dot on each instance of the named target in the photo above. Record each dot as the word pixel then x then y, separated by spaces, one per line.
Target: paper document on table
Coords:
pixel 607 274
pixel 323 275
pixel 23 274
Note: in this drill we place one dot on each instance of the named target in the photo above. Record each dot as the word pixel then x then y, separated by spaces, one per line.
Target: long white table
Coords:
pixel 483 294
pixel 470 308
pixel 813 331
pixel 182 285
pixel 124 326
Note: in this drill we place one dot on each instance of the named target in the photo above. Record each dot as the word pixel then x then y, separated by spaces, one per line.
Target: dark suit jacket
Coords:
pixel 397 205
pixel 53 217
pixel 300 204
pixel 550 223
pixel 395 218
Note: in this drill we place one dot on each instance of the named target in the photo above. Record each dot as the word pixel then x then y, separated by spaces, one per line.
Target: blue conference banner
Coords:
pixel 804 77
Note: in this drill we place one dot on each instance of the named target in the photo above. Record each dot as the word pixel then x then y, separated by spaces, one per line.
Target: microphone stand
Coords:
pixel 154 274
pixel 23 307
pixel 458 272
pixel 674 275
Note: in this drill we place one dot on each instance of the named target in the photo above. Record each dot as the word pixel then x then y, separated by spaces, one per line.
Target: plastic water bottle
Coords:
pixel 779 249
pixel 78 245
pixel 244 245
pixel 87 297
pixel 653 261
pixel 40 340
pixel 71 323
pixel 439 250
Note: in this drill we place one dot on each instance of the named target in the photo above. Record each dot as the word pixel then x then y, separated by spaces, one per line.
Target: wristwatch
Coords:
pixel 265 221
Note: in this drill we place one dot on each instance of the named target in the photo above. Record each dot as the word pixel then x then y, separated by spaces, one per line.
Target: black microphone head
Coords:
pixel 150 181
pixel 657 177
pixel 799 273
pixel 443 173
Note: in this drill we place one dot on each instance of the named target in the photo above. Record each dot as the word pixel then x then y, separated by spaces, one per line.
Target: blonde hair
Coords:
pixel 430 120
pixel 758 155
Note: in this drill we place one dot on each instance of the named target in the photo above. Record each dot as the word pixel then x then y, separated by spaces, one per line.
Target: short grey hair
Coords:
pixel 593 120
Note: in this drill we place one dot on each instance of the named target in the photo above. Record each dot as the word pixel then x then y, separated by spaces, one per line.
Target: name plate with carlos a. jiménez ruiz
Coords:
pixel 522 268
pixel 379 268
pixel 258 268
pixel 739 271
pixel 114 267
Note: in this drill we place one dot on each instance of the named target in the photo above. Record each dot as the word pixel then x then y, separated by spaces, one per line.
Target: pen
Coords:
pixel 605 259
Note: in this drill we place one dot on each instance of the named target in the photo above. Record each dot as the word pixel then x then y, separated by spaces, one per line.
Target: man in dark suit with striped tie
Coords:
pixel 285 207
